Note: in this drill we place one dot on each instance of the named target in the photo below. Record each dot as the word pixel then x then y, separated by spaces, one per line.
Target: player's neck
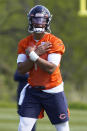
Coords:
pixel 38 36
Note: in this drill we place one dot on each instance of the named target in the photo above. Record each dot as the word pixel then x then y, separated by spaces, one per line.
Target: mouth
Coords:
pixel 39 30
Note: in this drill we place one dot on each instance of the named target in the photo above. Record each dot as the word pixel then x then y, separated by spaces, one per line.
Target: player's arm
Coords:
pixel 51 64
pixel 24 67
pixel 47 65
pixel 24 64
pixel 53 58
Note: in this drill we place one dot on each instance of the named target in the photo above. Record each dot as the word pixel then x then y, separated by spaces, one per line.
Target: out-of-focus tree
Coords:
pixel 66 24
pixel 36 2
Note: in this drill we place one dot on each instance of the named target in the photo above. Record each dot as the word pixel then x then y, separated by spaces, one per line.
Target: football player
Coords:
pixel 40 54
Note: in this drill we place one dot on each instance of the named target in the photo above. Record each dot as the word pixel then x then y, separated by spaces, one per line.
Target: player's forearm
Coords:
pixel 25 67
pixel 45 65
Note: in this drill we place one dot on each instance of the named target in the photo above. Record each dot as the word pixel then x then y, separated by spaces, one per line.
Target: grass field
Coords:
pixel 9 121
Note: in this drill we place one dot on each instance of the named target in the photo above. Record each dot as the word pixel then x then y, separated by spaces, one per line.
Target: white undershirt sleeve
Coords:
pixel 54 58
pixel 21 58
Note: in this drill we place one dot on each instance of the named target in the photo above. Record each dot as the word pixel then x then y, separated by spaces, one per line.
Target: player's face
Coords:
pixel 39 22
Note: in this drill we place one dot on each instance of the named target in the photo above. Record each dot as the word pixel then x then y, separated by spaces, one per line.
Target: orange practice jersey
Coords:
pixel 39 77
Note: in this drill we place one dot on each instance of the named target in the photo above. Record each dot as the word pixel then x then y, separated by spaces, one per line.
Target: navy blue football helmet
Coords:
pixel 39 19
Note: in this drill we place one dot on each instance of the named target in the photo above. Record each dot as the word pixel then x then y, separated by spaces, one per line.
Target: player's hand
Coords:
pixel 41 49
pixel 29 49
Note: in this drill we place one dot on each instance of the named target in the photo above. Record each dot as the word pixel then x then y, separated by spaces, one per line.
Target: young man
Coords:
pixel 40 55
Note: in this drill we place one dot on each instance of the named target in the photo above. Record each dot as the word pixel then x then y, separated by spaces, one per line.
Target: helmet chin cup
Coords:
pixel 38 30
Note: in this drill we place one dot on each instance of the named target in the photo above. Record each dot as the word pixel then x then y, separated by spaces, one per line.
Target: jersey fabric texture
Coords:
pixel 36 76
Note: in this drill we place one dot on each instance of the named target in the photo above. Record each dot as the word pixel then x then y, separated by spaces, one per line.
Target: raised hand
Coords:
pixel 41 49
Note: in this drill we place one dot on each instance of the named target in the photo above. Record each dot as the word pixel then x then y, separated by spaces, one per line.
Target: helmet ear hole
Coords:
pixel 39 11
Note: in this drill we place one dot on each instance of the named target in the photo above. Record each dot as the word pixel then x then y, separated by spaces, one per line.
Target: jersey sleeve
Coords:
pixel 21 49
pixel 57 46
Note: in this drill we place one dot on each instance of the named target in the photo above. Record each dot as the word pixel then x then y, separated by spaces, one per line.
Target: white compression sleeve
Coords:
pixel 54 58
pixel 63 126
pixel 21 58
pixel 26 124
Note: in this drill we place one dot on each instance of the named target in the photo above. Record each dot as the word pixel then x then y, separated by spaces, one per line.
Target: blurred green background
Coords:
pixel 66 24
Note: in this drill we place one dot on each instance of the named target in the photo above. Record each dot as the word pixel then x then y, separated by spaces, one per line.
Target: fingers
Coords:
pixel 47 45
pixel 41 49
pixel 48 49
